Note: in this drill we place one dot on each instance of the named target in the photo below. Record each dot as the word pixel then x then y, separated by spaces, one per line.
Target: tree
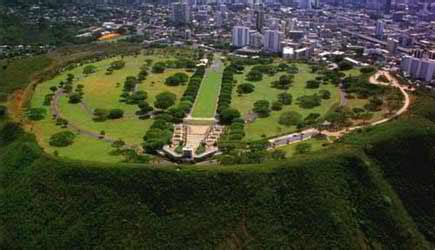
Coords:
pixel 262 108
pixel 245 88
pixel 284 82
pixel 158 67
pixel 177 79
pixel 36 114
pixel 309 101
pixel 62 139
pixel 367 70
pixel 144 109
pixel 285 98
pixel 303 148
pixel 165 100
pixel 228 115
pixel 100 114
pixel 75 98
pixel 312 84
pixel 290 118
pixel 325 94
pixel 115 114
pixel 254 75
pixel 276 106
pixel 345 65
pixel 89 69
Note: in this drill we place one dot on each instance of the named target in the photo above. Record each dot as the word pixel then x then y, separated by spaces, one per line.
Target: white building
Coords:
pixel 240 36
pixel 418 68
pixel 272 41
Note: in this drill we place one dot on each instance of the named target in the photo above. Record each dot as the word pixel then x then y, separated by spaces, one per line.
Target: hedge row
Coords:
pixel 193 86
pixel 226 88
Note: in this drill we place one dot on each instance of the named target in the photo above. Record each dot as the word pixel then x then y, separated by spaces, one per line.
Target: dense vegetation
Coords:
pixel 17 73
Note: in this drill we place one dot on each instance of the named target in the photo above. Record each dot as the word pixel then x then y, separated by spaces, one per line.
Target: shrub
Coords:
pixel 290 118
pixel 62 139
pixel 245 88
pixel 115 114
pixel 285 98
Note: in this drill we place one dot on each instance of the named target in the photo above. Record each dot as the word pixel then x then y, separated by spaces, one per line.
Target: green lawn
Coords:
pixel 269 126
pixel 101 91
pixel 206 101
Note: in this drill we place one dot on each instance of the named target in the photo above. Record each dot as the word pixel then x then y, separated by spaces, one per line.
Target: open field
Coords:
pixel 102 91
pixel 269 126
pixel 206 101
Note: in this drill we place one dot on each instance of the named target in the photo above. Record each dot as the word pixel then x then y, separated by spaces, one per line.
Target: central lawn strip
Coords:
pixel 205 105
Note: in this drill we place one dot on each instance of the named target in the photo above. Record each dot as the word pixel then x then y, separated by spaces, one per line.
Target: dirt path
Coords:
pixel 393 83
pixel 373 79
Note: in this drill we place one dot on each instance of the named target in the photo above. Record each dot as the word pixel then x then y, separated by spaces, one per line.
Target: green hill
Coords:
pixel 372 190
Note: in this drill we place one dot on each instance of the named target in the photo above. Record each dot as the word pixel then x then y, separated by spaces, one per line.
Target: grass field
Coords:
pixel 206 101
pixel 269 126
pixel 101 91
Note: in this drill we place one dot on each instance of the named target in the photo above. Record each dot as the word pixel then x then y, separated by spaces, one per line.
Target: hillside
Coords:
pixel 334 200
pixel 372 190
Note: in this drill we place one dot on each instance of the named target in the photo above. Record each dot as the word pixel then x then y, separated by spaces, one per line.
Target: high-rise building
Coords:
pixel 255 39
pixel 380 29
pixel 418 68
pixel 272 41
pixel 240 36
pixel 392 45
pixel 305 4
pixel 259 19
pixel 387 6
pixel 180 13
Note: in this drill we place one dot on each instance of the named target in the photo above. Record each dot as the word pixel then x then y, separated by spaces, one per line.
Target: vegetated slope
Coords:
pixel 17 73
pixel 335 200
pixel 405 152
